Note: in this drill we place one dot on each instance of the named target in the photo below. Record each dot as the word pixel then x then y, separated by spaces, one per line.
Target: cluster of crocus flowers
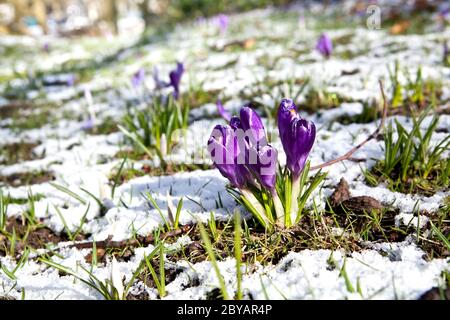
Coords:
pixel 324 45
pixel 241 153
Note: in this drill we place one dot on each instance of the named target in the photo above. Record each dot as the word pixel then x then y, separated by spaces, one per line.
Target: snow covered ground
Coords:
pixel 278 47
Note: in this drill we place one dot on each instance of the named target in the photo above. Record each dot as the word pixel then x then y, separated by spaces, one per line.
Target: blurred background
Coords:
pixel 102 17
pixel 109 17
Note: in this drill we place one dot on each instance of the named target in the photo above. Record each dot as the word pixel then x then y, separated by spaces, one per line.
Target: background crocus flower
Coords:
pixel 223 113
pixel 324 45
pixel 297 136
pixel 88 124
pixel 138 78
pixel 222 22
pixel 175 79
pixel 446 53
pixel 71 80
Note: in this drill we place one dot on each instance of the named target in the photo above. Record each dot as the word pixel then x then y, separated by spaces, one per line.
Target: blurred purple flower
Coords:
pixel 175 79
pixel 444 10
pixel 223 113
pixel 297 136
pixel 325 45
pixel 71 80
pixel 222 21
pixel 46 47
pixel 88 124
pixel 138 78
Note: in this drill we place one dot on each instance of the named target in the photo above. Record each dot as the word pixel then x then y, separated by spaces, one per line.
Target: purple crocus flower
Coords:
pixel 249 152
pixel 297 136
pixel 446 51
pixel 241 153
pixel 223 113
pixel 325 45
pixel 175 79
pixel 138 78
pixel 71 80
pixel 88 124
pixel 224 150
pixel 46 47
pixel 444 11
pixel 222 21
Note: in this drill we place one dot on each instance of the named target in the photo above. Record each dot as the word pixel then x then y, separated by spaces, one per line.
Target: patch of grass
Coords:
pixel 412 164
pixel 26 232
pixel 371 112
pixel 434 238
pixel 107 126
pixel 416 93
pixel 151 130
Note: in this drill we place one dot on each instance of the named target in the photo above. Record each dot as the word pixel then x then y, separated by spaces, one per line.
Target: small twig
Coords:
pixel 372 136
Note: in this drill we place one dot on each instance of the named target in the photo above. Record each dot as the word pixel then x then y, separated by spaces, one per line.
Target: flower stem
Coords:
pixel 248 195
pixel 294 198
pixel 279 210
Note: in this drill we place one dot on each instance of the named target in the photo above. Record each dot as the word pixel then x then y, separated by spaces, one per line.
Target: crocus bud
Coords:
pixel 297 136
pixel 175 79
pixel 222 22
pixel 324 45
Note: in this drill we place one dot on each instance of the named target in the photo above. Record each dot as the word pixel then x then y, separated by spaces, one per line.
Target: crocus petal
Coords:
pixel 297 136
pixel 175 78
pixel 250 120
pixel 265 168
pixel 223 113
pixel 324 45
pixel 224 151
pixel 222 22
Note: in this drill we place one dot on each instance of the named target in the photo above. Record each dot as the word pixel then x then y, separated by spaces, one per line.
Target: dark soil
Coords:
pixel 14 108
pixel 36 236
pixel 436 294
pixel 27 178
pixel 18 152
